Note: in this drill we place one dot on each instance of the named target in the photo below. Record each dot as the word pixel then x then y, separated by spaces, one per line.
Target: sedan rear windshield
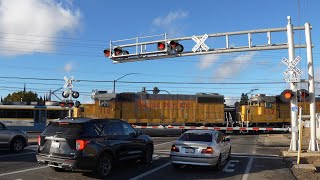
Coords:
pixel 204 137
pixel 64 129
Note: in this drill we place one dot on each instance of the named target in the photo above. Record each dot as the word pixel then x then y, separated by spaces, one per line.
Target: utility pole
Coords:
pixel 114 81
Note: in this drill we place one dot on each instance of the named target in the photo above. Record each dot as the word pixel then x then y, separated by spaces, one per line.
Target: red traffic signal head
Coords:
pixel 117 51
pixel 63 104
pixel 286 95
pixel 106 52
pixel 176 46
pixel 303 95
pixel 161 46
pixel 70 104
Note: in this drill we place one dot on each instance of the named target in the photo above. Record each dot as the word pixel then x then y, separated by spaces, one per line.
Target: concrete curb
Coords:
pixel 305 166
pixel 303 154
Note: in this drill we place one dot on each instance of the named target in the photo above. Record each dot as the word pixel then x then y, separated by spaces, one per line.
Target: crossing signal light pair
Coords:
pixel 66 104
pixel 117 51
pixel 287 95
pixel 171 45
pixel 70 104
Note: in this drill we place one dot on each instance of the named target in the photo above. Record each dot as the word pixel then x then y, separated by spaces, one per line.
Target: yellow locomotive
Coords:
pixel 156 109
pixel 270 111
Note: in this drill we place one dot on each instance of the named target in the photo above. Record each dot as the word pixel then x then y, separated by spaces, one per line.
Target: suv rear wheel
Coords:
pixel 104 165
pixel 17 144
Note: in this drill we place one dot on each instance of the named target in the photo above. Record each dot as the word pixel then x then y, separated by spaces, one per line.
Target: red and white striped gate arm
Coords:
pixel 214 128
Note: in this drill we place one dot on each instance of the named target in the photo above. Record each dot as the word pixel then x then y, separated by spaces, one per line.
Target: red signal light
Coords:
pixel 161 46
pixel 303 95
pixel 106 53
pixel 39 140
pixel 70 104
pixel 117 51
pixel 176 46
pixel 173 44
pixel 63 104
pixel 286 95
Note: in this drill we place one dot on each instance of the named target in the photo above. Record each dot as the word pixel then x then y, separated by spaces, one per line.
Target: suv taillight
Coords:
pixel 39 140
pixel 209 150
pixel 81 144
pixel 174 148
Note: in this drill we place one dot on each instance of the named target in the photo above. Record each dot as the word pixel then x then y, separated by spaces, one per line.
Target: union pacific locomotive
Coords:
pixel 158 109
pixel 191 110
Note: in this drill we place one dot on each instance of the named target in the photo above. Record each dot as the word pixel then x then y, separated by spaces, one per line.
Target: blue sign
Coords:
pixel 294 109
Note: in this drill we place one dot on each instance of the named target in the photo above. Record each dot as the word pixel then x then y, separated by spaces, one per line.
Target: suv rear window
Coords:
pixel 64 129
pixel 205 137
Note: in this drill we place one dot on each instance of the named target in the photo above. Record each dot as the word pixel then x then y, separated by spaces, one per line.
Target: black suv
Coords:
pixel 91 144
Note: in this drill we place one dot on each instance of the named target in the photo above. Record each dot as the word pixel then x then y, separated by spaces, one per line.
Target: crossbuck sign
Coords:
pixel 296 72
pixel 200 43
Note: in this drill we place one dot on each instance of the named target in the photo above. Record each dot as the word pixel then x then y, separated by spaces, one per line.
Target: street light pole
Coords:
pixel 114 81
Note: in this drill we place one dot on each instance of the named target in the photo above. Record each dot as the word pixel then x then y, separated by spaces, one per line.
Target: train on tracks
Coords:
pixel 200 109
pixel 30 117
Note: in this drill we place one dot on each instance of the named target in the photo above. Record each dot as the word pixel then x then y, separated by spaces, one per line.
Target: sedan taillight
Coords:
pixel 174 148
pixel 208 150
pixel 39 140
pixel 81 144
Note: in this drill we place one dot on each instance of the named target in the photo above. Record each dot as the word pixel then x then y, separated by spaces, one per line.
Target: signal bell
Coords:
pixel 286 95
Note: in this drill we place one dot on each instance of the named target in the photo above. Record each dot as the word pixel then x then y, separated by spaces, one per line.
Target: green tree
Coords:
pixel 22 96
pixel 244 99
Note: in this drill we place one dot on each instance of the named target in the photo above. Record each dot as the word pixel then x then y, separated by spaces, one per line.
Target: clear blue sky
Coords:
pixel 53 39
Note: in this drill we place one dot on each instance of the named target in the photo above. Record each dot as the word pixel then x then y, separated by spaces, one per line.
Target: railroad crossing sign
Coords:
pixel 68 82
pixel 200 43
pixel 296 72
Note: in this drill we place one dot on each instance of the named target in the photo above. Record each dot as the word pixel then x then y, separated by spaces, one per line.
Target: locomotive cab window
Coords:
pixel 268 105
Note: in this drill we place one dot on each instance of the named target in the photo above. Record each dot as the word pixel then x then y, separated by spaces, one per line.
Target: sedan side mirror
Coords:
pixel 227 139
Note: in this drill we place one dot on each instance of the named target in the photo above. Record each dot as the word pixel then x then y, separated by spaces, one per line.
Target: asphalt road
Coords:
pixel 249 161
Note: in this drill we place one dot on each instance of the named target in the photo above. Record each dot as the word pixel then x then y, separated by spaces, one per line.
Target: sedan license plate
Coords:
pixel 189 150
pixel 55 144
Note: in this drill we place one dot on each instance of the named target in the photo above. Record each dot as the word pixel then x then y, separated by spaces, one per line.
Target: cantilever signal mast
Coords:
pixel 159 47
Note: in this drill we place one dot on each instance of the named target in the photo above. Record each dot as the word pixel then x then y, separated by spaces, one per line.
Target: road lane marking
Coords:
pixel 164 143
pixel 231 163
pixel 248 168
pixel 17 154
pixel 21 171
pixel 246 154
pixel 150 171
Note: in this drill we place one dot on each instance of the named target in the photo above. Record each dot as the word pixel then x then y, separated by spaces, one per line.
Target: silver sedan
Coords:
pixel 13 139
pixel 202 148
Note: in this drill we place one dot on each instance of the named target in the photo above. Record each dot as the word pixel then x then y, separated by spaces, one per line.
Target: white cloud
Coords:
pixel 233 67
pixel 26 26
pixel 206 61
pixel 170 18
pixel 68 67
pixel 169 23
